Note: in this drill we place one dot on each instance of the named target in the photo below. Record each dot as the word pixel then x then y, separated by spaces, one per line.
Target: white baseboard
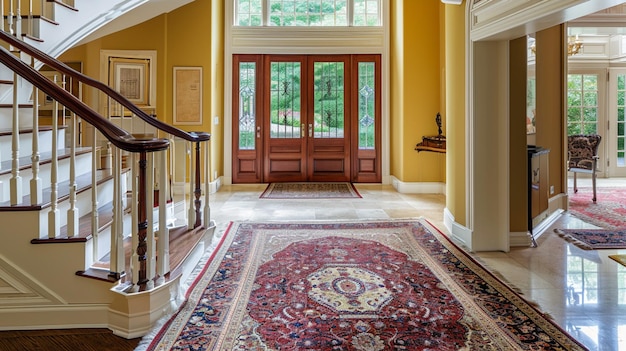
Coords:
pixel 179 188
pixel 460 233
pixel 418 188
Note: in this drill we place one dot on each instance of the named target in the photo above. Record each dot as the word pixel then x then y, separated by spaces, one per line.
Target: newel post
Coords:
pixel 142 221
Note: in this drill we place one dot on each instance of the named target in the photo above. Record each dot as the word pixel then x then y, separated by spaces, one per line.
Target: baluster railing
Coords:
pixel 54 225
pixel 36 190
pixel 147 265
pixel 207 184
pixel 197 191
pixel 16 180
pixel 163 247
pixel 191 213
pixel 150 239
pixel 73 212
pixel 117 265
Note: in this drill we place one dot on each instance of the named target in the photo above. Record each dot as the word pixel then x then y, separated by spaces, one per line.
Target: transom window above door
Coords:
pixel 308 13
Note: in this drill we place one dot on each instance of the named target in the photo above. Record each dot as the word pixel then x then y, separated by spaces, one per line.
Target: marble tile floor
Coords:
pixel 584 291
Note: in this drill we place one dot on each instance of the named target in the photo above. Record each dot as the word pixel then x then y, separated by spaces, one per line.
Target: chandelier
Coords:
pixel 573 45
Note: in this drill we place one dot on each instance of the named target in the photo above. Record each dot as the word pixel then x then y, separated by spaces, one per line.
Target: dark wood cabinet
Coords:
pixel 538 185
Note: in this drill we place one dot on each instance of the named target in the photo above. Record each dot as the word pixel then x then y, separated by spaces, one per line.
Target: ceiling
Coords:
pixel 142 13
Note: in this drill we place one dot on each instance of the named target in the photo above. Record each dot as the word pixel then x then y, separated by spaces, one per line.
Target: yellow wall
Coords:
pixel 455 113
pixel 415 89
pixel 175 38
pixel 192 36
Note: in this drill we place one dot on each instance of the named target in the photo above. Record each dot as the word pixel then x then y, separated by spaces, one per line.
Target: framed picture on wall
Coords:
pixel 130 77
pixel 187 86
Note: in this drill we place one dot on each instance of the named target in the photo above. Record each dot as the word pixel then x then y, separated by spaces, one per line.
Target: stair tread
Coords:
pixel 42 128
pixel 25 162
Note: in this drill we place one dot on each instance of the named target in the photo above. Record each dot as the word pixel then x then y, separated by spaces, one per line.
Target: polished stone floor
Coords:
pixel 583 290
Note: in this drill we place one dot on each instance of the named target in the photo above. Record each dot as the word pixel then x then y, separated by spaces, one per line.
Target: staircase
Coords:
pixel 92 234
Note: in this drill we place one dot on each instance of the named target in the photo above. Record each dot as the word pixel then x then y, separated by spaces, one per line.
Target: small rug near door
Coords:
pixel 310 191
pixel 591 239
pixel 608 212
pixel 621 259
pixel 362 286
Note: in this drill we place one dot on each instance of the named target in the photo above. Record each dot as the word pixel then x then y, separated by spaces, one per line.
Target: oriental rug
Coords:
pixel 609 211
pixel 363 286
pixel 592 239
pixel 310 191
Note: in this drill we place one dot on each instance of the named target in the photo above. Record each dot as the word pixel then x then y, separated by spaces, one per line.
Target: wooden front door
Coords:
pixel 293 118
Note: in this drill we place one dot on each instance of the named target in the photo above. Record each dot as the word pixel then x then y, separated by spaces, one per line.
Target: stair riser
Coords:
pixel 25 117
pixel 83 166
pixel 84 206
pixel 26 143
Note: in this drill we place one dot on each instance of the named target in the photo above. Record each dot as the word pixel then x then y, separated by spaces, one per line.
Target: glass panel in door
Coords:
pixel 328 145
pixel 285 152
pixel 246 143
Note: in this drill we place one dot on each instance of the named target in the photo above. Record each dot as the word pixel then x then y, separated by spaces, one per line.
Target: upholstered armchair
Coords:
pixel 582 157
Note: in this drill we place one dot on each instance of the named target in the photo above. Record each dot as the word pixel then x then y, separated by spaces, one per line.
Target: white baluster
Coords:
pixel 95 218
pixel 72 212
pixel 18 20
pixel 117 265
pixel 16 180
pixel 163 246
pixel 207 184
pixel 134 257
pixel 191 214
pixel 10 19
pixel 53 216
pixel 150 239
pixel 35 182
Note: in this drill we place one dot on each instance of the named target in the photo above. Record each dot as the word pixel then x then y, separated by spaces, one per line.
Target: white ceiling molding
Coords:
pixel 452 2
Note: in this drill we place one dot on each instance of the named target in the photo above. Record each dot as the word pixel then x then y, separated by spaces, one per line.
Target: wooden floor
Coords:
pixel 65 340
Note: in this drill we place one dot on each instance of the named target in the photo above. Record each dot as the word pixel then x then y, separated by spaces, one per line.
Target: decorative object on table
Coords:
pixel 592 239
pixel 310 190
pixel 435 143
pixel 621 259
pixel 366 285
pixel 609 213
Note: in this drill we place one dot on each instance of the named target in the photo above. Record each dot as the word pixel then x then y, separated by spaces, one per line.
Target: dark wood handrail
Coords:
pixel 113 133
pixel 63 68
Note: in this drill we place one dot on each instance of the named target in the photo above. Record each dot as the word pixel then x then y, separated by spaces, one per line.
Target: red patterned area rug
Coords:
pixel 609 211
pixel 310 191
pixel 363 286
pixel 591 239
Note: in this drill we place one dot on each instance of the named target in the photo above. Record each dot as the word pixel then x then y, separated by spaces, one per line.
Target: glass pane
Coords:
pixel 620 82
pixel 308 12
pixel 247 105
pixel 366 13
pixel 574 98
pixel 591 98
pixel 367 107
pixel 590 82
pixel 620 114
pixel 590 114
pixel 248 12
pixel 574 82
pixel 590 129
pixel 573 128
pixel 285 99
pixel 620 159
pixel 328 102
pixel 573 114
pixel 620 98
